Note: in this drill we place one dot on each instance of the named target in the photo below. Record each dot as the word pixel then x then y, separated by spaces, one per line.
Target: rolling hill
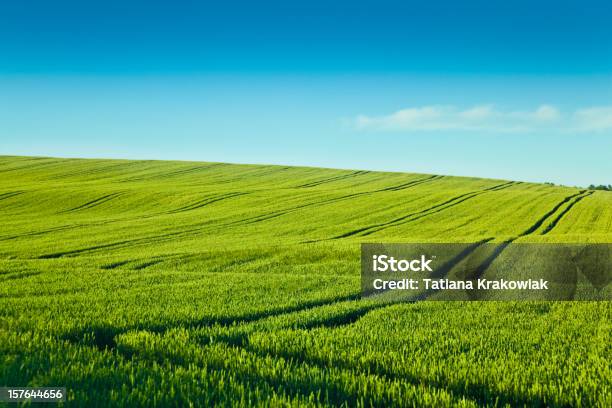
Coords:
pixel 169 283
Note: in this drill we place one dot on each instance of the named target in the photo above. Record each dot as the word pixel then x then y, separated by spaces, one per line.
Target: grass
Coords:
pixel 156 283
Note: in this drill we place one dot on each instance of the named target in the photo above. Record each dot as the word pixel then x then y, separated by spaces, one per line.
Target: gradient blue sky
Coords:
pixel 517 90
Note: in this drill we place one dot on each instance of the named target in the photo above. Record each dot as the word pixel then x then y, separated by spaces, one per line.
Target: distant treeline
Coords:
pixel 601 187
pixel 591 187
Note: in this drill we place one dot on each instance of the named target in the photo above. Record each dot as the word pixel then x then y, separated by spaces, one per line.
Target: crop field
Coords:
pixel 159 283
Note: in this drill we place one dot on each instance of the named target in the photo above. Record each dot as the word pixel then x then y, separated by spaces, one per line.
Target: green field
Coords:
pixel 157 283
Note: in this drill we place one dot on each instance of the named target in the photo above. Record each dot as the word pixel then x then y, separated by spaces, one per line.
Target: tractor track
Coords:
pixel 423 213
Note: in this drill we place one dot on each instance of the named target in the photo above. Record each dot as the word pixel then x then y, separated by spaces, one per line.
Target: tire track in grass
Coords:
pixel 480 393
pixel 196 231
pixel 170 174
pixel 142 169
pixel 554 222
pixel 333 179
pixel 107 222
pixel 244 174
pixel 230 178
pixel 448 267
pixel 543 219
pixel 104 339
pixel 206 201
pixel 10 194
pixel 103 336
pixel 37 165
pixel 147 240
pixel 442 272
pixel 482 268
pixel 139 264
pixel 36 233
pixel 112 245
pixel 411 184
pixel 17 275
pixel 192 232
pixel 94 203
pixel 181 172
pixel 268 171
pixel 114 265
pixel 147 264
pixel 423 213
pixel 199 230
pixel 278 213
pixel 76 226
pixel 94 170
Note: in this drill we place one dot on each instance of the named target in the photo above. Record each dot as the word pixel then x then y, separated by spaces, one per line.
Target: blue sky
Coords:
pixel 516 90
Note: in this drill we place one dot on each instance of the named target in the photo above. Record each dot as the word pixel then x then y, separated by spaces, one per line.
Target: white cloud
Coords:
pixel 547 112
pixel 487 118
pixel 478 112
pixel 593 119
